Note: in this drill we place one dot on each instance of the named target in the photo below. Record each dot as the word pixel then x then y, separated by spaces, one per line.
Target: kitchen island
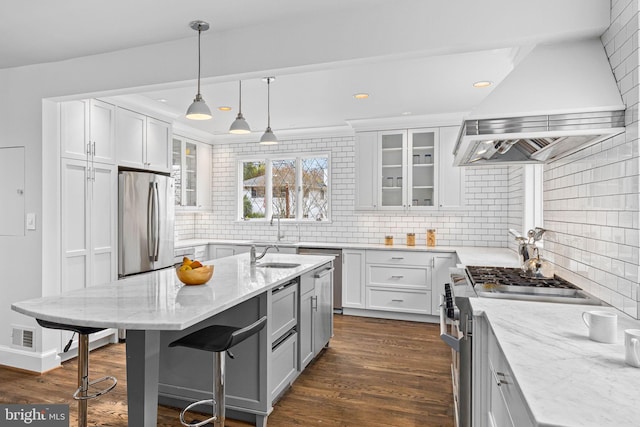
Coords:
pixel 156 307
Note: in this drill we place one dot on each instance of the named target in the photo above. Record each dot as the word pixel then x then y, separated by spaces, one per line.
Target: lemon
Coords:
pixel 185 268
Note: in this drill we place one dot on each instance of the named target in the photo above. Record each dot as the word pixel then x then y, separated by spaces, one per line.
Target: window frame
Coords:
pixel 268 159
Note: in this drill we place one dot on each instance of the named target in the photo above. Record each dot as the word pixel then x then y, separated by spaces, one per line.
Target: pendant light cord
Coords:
pixel 269 102
pixel 199 32
pixel 240 97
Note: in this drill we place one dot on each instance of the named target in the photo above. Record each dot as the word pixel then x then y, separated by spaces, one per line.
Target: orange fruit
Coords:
pixel 196 264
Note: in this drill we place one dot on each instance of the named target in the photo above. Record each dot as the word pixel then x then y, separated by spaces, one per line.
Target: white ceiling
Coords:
pixel 438 80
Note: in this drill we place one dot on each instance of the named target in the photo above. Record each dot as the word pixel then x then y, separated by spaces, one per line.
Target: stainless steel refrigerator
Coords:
pixel 145 222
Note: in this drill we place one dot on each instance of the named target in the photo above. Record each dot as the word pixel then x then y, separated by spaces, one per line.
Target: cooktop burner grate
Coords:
pixel 513 277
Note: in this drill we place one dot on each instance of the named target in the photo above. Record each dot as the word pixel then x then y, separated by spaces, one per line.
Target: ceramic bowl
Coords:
pixel 197 276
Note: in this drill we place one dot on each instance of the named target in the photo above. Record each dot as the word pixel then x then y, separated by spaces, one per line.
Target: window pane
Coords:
pixel 284 188
pixel 315 185
pixel 253 189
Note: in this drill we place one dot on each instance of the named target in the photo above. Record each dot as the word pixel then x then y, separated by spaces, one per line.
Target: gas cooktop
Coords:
pixel 508 276
pixel 512 283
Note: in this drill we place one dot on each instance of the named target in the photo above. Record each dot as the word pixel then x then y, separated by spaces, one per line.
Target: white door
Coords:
pixel 73 129
pixel 158 150
pixel 130 138
pixel 102 134
pixel 104 196
pixel 75 217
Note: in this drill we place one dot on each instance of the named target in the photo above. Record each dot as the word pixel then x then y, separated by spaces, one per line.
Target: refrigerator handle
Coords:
pixel 157 221
pixel 151 239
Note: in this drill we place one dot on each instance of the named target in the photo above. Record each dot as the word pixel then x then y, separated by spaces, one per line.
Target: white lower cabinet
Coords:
pixel 398 281
pixel 497 398
pixel 394 280
pixel 353 278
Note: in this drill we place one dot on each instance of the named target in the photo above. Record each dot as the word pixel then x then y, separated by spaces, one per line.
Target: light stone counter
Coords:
pixel 566 379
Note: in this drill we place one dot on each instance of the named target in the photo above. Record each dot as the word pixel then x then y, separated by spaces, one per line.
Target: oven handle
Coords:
pixel 450 340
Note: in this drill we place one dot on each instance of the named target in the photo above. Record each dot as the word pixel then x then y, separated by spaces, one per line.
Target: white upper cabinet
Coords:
pixel 407 170
pixel 87 130
pixel 142 142
pixel 451 179
pixel 191 169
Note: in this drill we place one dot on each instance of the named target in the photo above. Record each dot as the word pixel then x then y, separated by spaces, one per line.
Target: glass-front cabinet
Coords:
pixel 191 168
pixel 407 168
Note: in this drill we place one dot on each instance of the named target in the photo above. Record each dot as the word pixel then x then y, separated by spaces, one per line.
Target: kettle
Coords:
pixel 536 267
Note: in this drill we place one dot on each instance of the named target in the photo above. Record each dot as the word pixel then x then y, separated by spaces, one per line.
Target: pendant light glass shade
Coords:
pixel 199 110
pixel 268 138
pixel 240 125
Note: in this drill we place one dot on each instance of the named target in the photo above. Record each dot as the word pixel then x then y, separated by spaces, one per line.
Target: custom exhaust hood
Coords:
pixel 559 99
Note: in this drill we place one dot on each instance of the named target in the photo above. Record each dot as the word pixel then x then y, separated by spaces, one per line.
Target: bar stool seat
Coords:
pixel 217 339
pixel 81 393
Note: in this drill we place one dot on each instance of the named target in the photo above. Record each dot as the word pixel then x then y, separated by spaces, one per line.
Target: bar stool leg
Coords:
pixel 83 377
pixel 218 381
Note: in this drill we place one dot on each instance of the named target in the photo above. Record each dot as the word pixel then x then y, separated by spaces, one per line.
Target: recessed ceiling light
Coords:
pixel 361 95
pixel 483 83
pixel 224 108
pixel 161 100
pixel 406 113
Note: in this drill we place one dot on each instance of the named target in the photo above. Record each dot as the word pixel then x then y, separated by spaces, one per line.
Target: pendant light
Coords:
pixel 199 110
pixel 268 138
pixel 240 125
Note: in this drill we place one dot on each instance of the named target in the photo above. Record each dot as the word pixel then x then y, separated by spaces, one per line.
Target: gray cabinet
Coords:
pixel 316 312
pixel 284 338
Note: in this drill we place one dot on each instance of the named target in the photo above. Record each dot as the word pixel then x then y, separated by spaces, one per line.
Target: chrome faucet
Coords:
pixel 278 236
pixel 253 256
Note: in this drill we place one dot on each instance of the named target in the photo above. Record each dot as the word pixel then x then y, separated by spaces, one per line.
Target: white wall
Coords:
pixel 591 199
pixel 484 224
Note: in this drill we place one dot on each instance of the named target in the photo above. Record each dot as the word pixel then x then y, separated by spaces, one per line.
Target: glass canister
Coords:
pixel 411 239
pixel 388 240
pixel 431 237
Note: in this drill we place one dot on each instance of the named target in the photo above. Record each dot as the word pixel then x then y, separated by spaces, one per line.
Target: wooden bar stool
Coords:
pixel 217 339
pixel 81 393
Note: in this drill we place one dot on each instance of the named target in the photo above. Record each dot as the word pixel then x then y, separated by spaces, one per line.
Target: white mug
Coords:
pixel 632 347
pixel 603 325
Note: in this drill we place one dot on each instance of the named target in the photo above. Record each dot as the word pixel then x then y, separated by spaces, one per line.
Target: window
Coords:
pixel 291 187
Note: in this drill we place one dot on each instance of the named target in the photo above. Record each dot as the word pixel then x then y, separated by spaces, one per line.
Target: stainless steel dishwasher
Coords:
pixel 337 272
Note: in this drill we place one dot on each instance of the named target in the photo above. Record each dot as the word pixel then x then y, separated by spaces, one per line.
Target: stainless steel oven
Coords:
pixel 456 330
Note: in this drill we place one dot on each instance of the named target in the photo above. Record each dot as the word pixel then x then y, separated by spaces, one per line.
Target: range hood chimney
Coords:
pixel 559 99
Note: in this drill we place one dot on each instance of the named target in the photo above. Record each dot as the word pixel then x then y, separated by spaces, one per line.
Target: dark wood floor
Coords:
pixel 375 373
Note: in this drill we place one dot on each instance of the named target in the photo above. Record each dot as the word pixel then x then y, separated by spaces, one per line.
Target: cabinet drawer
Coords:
pixel 398 257
pixel 378 275
pixel 284 312
pixel 399 300
pixel 284 366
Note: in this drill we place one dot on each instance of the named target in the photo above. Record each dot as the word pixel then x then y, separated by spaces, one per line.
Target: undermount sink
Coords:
pixel 532 293
pixel 278 265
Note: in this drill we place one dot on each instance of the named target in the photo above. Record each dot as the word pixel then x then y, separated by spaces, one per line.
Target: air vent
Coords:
pixel 23 337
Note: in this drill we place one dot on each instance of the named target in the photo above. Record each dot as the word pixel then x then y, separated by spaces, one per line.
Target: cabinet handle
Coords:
pixel 397 300
pixel 88 148
pixel 397 277
pixel 93 149
pixel 397 257
pixel 498 378
pixel 314 303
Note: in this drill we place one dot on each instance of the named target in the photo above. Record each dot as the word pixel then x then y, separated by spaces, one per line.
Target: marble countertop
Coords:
pixel 566 379
pixel 159 301
pixel 482 252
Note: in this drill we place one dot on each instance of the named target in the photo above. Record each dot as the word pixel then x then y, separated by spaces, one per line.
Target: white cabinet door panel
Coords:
pixel 102 124
pixel 130 138
pixel 158 149
pixel 74 133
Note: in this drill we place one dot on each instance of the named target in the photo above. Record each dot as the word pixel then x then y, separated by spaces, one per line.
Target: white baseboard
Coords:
pixel 392 315
pixel 29 360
